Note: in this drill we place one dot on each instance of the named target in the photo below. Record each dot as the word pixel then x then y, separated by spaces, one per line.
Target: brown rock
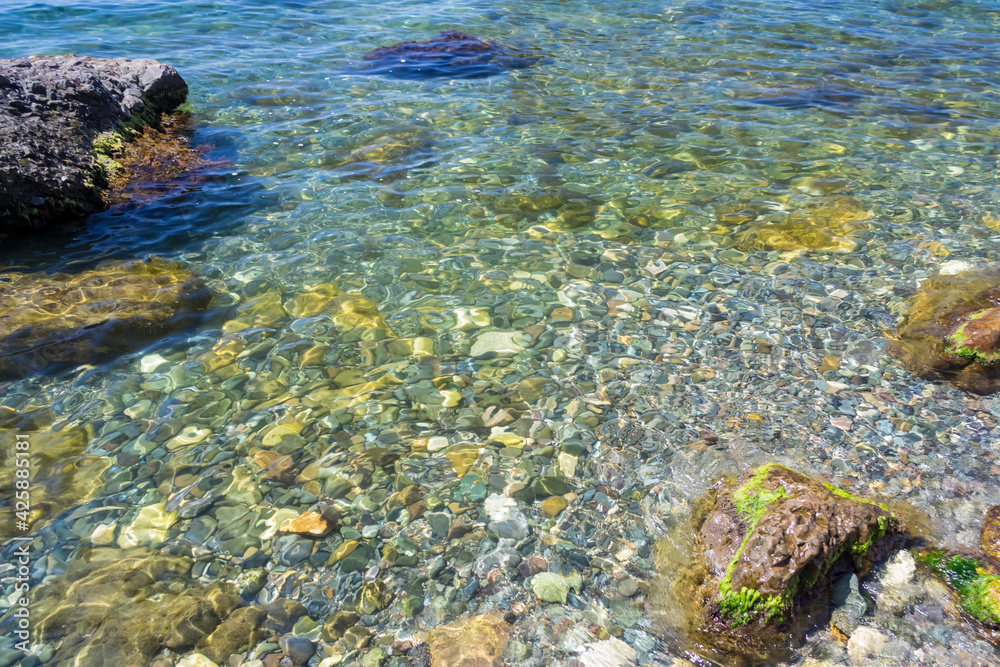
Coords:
pixel 119 607
pixel 772 539
pixel 310 524
pixel 282 614
pixel 276 467
pixel 989 536
pixel 978 337
pixel 951 331
pixel 478 641
pixel 796 525
pixel 460 527
pixel 532 566
pixel 236 634
pixel 277 660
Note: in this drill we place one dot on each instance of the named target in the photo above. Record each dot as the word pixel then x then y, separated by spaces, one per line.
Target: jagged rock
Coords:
pixel 951 330
pixel 58 114
pixel 772 540
pixel 452 54
pixel 61 319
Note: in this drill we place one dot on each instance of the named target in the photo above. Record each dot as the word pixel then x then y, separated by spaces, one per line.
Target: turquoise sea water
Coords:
pixel 611 179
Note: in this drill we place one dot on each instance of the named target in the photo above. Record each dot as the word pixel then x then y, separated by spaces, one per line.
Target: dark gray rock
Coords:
pixel 52 109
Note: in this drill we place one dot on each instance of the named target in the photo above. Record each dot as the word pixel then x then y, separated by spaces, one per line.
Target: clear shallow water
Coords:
pixel 645 125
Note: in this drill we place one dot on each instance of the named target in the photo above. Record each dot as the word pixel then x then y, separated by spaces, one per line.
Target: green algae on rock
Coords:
pixel 951 330
pixel 84 318
pixel 976 582
pixel 139 161
pixel 49 160
pixel 774 535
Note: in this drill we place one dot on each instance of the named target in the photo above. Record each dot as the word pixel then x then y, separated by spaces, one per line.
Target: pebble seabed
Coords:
pixel 508 407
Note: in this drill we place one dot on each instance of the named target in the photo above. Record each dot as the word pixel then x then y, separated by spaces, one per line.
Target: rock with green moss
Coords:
pixel 951 330
pixel 775 533
pixel 60 117
pixel 976 581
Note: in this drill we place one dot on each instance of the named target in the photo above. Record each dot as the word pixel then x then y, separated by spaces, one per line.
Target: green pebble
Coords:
pixel 374 658
pixel 550 485
pixel 338 624
pixel 412 605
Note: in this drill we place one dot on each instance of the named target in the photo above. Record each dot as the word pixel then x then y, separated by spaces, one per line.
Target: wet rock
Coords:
pixel 241 630
pixel 502 557
pixel 151 161
pixel 989 535
pixel 337 624
pixel 196 660
pixel 774 536
pixel 975 581
pixel 299 649
pixel 532 566
pixel 826 223
pixel 951 330
pixel 310 524
pixel 506 520
pixel 608 653
pixel 554 506
pixel 850 605
pixel 61 474
pixel 53 111
pixel 452 54
pixel 550 485
pixel 478 641
pixel 865 644
pixel 552 587
pixel 123 607
pixel 56 320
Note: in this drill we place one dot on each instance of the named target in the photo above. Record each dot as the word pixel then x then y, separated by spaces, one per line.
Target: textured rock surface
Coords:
pixel 989 535
pixel 52 110
pixel 61 319
pixel 451 54
pixel 951 330
pixel 776 533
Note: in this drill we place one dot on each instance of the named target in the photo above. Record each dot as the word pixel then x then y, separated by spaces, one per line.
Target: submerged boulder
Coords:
pixel 58 319
pixel 477 641
pixel 451 55
pixel 58 115
pixel 123 607
pixel 951 331
pixel 827 223
pixel 775 537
